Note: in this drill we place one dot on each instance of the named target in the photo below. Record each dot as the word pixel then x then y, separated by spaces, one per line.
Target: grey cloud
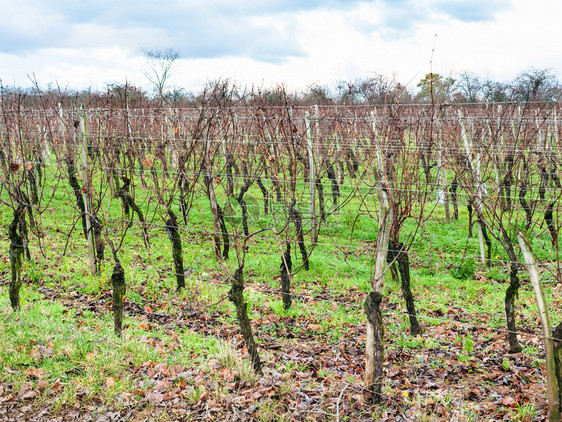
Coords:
pixel 198 29
pixel 212 28
pixel 402 16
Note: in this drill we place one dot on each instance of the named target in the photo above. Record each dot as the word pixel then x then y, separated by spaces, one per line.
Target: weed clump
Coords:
pixel 463 270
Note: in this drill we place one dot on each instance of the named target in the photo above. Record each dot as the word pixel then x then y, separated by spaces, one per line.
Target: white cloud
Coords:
pixel 85 44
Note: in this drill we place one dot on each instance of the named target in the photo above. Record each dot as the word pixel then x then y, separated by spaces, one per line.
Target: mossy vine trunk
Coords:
pixel 296 216
pixel 320 190
pixel 77 189
pixel 454 198
pixel 73 181
pixel 549 219
pixel 557 343
pixel 224 233
pixel 470 209
pixel 265 194
pixel 511 293
pixel 523 193
pixel 119 289
pixel 236 296
pixel 396 252
pixel 335 187
pixel 286 268
pixel 16 254
pixel 177 254
pixel 129 203
pixel 243 207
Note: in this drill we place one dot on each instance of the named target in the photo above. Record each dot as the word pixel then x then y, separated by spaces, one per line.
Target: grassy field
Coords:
pixel 182 357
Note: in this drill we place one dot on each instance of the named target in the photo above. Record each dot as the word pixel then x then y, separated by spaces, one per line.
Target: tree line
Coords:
pixel 531 85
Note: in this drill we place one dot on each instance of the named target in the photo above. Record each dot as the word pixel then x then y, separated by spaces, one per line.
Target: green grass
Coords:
pixel 48 344
pixel 77 347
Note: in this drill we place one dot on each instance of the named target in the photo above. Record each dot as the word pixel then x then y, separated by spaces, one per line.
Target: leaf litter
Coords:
pixel 310 373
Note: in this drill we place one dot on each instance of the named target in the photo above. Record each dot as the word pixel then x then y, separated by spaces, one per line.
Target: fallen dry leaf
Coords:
pixel 35 373
pixel 155 398
pixel 27 392
pixel 57 385
pixel 45 352
pixel 509 402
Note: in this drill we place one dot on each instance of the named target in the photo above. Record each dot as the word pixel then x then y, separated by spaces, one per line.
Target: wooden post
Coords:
pixel 311 177
pixel 86 192
pixel 43 135
pixel 443 163
pixel 374 350
pixel 373 116
pixel 555 127
pixel 441 175
pixel 316 122
pixel 499 160
pixel 551 379
pixel 557 343
pixel 475 170
pixel 62 126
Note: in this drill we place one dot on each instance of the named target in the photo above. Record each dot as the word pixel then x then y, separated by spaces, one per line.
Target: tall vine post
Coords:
pixel 552 374
pixel 374 350
pixel 86 183
pixel 311 177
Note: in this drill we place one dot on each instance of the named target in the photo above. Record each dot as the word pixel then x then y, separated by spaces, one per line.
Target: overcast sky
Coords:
pixel 92 43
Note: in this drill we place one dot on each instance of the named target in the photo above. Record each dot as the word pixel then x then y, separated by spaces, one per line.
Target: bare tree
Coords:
pixel 376 89
pixel 535 85
pixel 160 64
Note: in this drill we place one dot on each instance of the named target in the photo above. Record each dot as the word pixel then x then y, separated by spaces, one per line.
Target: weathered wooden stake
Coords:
pixel 551 378
pixel 86 193
pixel 479 186
pixel 374 350
pixel 312 177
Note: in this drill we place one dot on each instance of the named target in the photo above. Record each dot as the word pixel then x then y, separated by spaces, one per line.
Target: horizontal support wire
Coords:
pixel 414 151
